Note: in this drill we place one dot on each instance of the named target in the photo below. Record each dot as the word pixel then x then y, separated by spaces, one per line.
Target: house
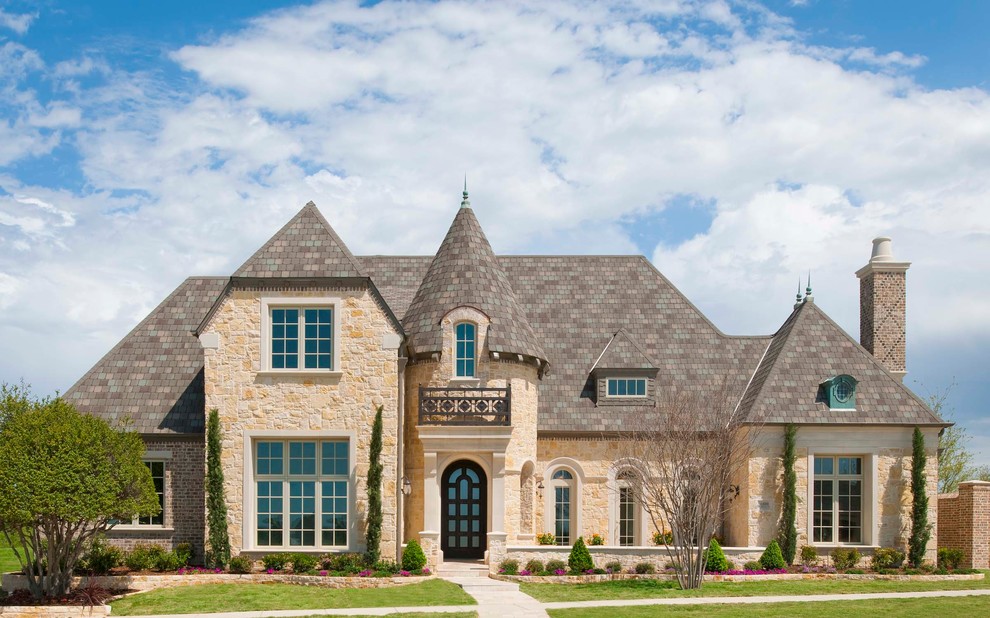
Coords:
pixel 504 381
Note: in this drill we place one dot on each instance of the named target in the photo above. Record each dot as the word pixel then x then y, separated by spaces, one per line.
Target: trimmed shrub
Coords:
pixel 546 538
pixel 275 562
pixel 788 529
pixel 845 558
pixel 887 558
pixel 218 551
pixel 809 555
pixel 142 557
pixel 645 568
pixel 387 566
pixel 556 565
pixel 615 566
pixel 509 567
pixel 921 532
pixel 413 558
pixel 301 563
pixel 374 483
pixel 184 551
pixel 753 565
pixel 596 539
pixel 102 557
pixel 950 558
pixel 855 571
pixel 714 557
pixel 579 559
pixel 240 565
pixel 772 557
pixel 344 563
pixel 535 566
pixel 168 561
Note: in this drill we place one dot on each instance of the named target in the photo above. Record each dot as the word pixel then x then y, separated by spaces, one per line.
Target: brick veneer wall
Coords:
pixel 964 523
pixel 882 321
pixel 185 502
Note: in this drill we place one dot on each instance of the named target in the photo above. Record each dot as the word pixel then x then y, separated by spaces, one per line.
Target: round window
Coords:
pixel 843 391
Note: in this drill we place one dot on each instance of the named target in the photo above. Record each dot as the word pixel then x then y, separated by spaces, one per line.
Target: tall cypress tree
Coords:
pixel 920 530
pixel 788 529
pixel 218 553
pixel 375 490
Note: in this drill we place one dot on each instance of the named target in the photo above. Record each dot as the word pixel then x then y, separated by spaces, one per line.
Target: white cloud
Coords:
pixel 566 116
pixel 19 23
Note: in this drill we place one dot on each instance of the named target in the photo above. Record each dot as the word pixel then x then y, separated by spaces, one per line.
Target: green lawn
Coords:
pixel 648 589
pixel 8 562
pixel 889 608
pixel 419 615
pixel 261 597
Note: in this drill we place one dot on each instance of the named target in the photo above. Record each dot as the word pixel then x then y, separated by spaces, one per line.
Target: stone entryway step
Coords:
pixel 463 568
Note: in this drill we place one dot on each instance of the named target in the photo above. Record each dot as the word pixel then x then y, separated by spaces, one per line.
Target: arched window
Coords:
pixel 628 515
pixel 563 487
pixel 464 357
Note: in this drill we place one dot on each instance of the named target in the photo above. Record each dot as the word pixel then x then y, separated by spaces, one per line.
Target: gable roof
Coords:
pixel 306 246
pixel 810 348
pixel 621 352
pixel 154 376
pixel 465 272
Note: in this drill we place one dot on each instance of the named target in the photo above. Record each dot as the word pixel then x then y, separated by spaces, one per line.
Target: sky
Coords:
pixel 737 144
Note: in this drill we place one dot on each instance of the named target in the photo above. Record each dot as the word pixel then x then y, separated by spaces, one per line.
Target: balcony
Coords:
pixel 465 406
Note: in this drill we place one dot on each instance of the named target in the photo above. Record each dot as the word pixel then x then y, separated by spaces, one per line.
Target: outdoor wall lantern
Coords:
pixel 406 486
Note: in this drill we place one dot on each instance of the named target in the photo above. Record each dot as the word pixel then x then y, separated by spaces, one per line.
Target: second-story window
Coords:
pixel 466 337
pixel 302 338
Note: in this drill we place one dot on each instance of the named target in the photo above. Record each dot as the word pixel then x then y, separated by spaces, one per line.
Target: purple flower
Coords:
pixel 590 572
pixel 365 573
pixel 270 571
pixel 426 571
pixel 404 573
pixel 323 573
pixel 525 572
pixel 560 572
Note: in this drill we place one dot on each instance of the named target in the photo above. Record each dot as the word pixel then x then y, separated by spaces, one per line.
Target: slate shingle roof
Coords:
pixel 306 246
pixel 465 272
pixel 807 350
pixel 154 376
pixel 621 352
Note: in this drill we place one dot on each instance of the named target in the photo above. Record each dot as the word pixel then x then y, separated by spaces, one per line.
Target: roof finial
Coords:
pixel 807 290
pixel 798 297
pixel 464 201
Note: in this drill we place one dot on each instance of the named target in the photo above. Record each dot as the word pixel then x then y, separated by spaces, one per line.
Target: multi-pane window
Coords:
pixel 157 469
pixel 627 509
pixel 465 333
pixel 562 483
pixel 627 387
pixel 302 493
pixel 838 500
pixel 302 338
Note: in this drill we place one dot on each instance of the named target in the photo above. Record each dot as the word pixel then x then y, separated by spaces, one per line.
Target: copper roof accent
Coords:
pixel 465 272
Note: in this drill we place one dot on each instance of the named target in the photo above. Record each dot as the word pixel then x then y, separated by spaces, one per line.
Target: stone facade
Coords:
pixel 964 523
pixel 184 498
pixel 886 454
pixel 254 403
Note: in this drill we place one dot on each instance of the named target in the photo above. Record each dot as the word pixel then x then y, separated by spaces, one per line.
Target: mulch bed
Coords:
pixel 93 595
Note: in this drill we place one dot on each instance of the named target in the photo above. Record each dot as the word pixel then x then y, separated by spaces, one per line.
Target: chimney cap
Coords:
pixel 882 259
pixel 881 250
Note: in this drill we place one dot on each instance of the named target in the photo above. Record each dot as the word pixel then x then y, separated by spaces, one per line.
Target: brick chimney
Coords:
pixel 882 299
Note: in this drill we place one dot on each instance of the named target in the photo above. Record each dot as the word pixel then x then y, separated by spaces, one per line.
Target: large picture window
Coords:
pixel 838 500
pixel 301 338
pixel 302 493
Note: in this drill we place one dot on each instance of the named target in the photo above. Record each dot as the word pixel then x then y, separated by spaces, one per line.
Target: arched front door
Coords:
pixel 465 511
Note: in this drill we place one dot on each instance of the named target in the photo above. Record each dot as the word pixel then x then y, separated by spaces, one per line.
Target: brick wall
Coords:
pixel 185 503
pixel 882 321
pixel 964 523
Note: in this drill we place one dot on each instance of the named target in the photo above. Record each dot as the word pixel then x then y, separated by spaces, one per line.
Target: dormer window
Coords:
pixel 626 387
pixel 299 335
pixel 464 357
pixel 839 392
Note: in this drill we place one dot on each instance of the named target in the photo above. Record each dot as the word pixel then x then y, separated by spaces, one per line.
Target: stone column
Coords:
pixel 976 495
pixel 430 536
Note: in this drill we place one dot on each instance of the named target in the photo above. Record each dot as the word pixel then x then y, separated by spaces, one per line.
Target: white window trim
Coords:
pixel 870 524
pixel 571 484
pixel 549 513
pixel 646 387
pixel 270 302
pixel 164 458
pixel 249 535
pixel 641 537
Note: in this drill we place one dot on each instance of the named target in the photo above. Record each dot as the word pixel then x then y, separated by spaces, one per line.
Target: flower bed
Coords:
pixel 80 602
pixel 15 581
pixel 736 576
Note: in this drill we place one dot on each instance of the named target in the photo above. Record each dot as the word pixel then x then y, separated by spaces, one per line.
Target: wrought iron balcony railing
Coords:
pixel 465 406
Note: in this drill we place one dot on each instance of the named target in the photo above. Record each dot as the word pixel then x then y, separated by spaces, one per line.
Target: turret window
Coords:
pixel 466 339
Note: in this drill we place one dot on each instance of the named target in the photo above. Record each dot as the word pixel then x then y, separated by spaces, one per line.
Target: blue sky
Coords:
pixel 736 144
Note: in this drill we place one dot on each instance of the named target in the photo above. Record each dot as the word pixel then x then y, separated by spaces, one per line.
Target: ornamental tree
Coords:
pixel 921 532
pixel 218 554
pixel 65 478
pixel 374 537
pixel 788 529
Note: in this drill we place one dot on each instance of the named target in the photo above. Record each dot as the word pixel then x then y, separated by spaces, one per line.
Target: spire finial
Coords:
pixel 465 203
pixel 798 297
pixel 807 290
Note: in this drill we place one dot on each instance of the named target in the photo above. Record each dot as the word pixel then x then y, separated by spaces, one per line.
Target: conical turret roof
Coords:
pixel 465 272
pixel 306 246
